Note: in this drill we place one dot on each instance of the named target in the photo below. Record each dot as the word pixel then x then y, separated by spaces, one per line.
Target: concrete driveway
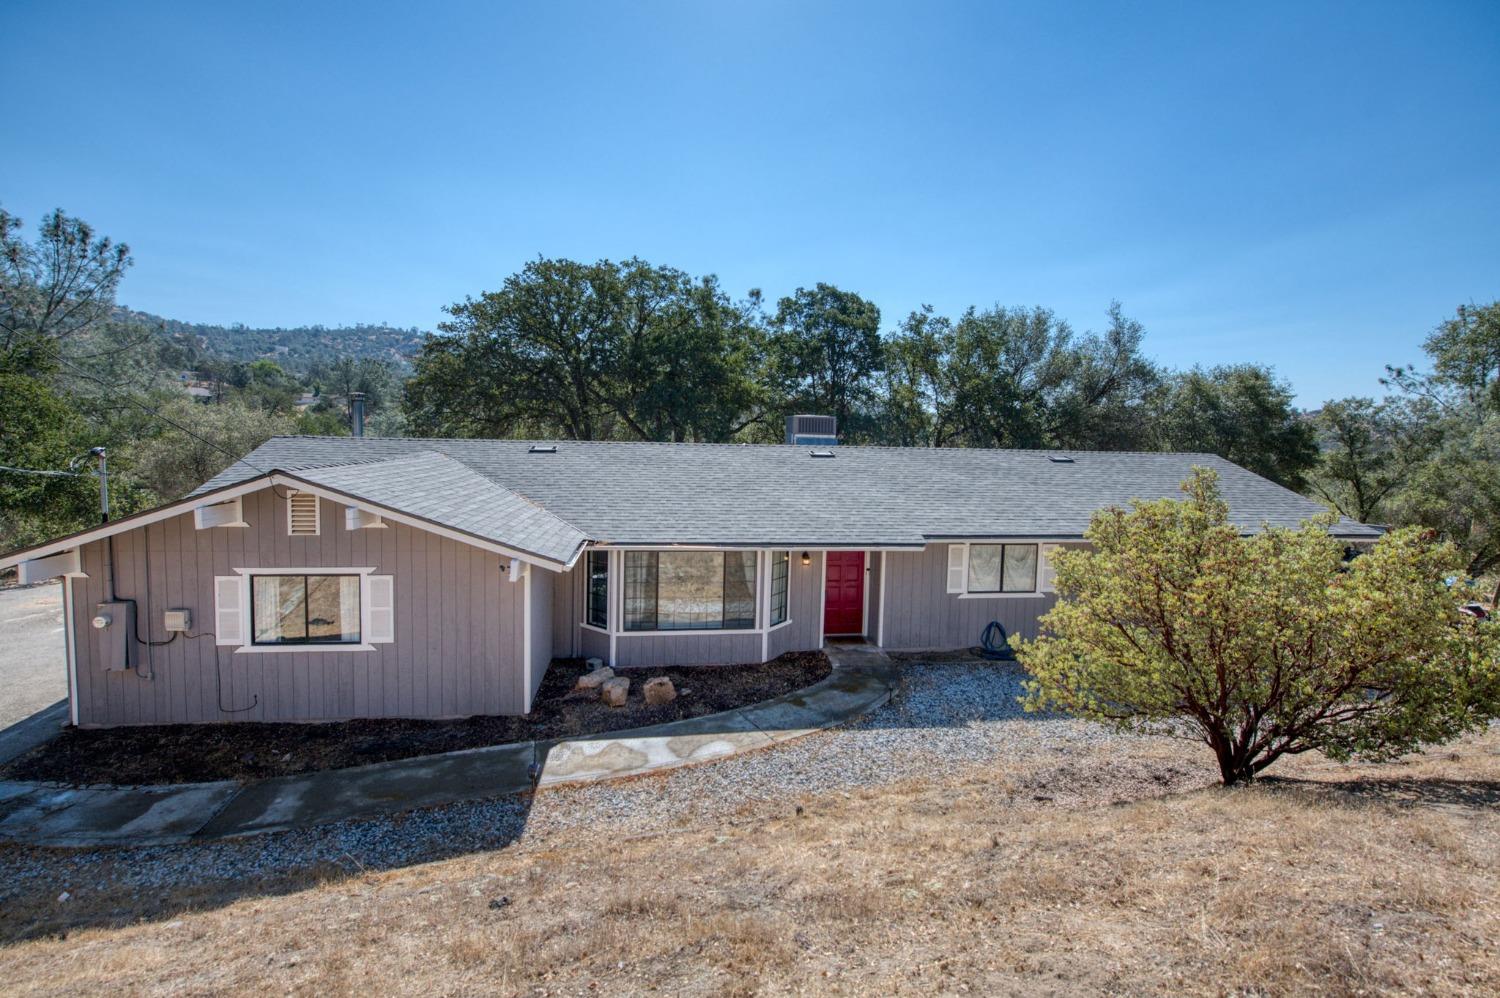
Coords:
pixel 33 674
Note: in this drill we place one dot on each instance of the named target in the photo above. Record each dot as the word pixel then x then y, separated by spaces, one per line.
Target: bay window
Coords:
pixel 780 576
pixel 598 595
pixel 689 590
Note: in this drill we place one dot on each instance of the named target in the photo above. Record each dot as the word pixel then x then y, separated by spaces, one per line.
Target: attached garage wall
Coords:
pixel 458 627
pixel 921 614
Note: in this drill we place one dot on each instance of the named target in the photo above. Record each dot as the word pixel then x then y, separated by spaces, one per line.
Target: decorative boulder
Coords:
pixel 659 691
pixel 614 691
pixel 594 680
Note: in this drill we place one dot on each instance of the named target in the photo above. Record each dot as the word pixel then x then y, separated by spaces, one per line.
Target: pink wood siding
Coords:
pixel 458 621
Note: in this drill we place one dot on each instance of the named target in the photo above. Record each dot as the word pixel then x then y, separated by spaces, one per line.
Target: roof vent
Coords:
pixel 542 449
pixel 1059 459
pixel 822 453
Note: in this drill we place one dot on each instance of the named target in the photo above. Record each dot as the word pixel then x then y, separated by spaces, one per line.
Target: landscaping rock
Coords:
pixel 594 680
pixel 659 691
pixel 614 691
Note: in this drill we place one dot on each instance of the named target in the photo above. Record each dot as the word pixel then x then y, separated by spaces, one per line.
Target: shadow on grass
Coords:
pixel 1473 795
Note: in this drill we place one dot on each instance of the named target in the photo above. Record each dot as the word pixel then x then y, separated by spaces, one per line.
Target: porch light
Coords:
pixel 806 558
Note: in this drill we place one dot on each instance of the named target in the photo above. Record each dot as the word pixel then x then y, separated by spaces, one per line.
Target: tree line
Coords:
pixel 77 372
pixel 631 350
pixel 634 351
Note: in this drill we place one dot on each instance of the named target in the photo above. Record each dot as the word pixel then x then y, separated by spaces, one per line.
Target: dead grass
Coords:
pixel 1335 880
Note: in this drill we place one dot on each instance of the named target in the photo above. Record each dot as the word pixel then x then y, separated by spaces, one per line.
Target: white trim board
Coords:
pixel 70 653
pixel 183 506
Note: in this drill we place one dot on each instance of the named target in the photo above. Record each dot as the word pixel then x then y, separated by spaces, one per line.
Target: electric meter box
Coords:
pixel 114 630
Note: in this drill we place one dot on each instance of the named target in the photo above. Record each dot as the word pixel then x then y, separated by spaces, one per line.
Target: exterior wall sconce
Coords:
pixel 806 558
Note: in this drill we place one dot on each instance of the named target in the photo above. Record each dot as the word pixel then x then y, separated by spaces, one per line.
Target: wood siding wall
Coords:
pixel 544 586
pixel 685 648
pixel 921 614
pixel 567 611
pixel 458 627
pixel 872 594
pixel 804 598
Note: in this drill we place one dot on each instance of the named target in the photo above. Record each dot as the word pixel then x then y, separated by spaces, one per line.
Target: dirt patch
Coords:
pixel 194 753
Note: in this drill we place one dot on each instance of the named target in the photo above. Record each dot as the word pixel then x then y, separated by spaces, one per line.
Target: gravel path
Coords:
pixel 947 719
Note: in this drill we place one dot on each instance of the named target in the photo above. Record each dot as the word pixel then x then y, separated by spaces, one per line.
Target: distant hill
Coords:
pixel 293 348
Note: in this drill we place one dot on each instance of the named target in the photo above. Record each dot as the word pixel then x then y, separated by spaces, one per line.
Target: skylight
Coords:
pixel 1059 459
pixel 542 449
pixel 822 453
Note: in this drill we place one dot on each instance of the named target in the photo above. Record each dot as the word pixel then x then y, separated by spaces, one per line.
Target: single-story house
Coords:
pixel 325 578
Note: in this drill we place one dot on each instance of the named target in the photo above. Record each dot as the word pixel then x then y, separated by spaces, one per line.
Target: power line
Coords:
pixel 49 474
pixel 157 414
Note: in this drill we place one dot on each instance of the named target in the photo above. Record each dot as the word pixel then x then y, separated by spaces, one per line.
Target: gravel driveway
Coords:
pixel 33 673
pixel 948 719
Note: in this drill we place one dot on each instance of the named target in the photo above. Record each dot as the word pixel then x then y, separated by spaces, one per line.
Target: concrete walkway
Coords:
pixel 45 814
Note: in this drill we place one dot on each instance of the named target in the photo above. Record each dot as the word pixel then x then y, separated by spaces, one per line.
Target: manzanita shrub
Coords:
pixel 1261 645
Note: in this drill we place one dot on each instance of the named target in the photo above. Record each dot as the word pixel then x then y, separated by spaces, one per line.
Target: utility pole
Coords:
pixel 98 452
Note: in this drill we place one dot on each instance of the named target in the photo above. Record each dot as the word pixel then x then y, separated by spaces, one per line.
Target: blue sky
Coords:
pixel 1312 186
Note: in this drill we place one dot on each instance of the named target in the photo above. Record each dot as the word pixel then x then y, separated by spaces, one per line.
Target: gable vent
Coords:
pixel 542 449
pixel 302 514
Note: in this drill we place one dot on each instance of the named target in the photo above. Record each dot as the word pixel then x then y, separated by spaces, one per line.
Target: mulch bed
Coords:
pixel 194 753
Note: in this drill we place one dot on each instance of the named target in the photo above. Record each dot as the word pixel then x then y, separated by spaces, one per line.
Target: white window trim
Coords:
pixel 615 615
pixel 759 628
pixel 609 592
pixel 248 646
pixel 1042 546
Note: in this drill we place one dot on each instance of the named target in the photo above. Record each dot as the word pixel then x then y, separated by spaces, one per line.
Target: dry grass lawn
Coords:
pixel 1331 880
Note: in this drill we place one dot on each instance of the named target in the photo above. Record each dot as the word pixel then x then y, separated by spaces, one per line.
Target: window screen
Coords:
pixel 1002 568
pixel 304 609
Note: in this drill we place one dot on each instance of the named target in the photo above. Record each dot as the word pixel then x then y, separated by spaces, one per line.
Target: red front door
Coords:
pixel 844 593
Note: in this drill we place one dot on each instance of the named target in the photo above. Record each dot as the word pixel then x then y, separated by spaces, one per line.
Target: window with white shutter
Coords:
pixel 380 602
pixel 302 514
pixel 958 567
pixel 229 610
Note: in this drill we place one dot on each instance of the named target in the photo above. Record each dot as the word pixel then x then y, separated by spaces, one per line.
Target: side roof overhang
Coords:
pixel 555 561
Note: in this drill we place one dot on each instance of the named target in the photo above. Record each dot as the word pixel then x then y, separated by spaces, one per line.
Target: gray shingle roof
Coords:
pixel 440 489
pixel 731 494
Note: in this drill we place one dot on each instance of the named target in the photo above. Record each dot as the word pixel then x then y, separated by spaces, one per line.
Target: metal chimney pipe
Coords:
pixel 357 403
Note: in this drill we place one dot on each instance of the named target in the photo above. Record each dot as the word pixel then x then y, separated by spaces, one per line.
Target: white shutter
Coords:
pixel 380 610
pixel 958 567
pixel 229 610
pixel 1045 574
pixel 302 514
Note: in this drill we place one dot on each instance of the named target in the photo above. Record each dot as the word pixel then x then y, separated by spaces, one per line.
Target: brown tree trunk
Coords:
pixel 1234 768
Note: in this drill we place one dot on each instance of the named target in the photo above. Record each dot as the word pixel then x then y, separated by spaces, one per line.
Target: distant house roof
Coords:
pixel 551 497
